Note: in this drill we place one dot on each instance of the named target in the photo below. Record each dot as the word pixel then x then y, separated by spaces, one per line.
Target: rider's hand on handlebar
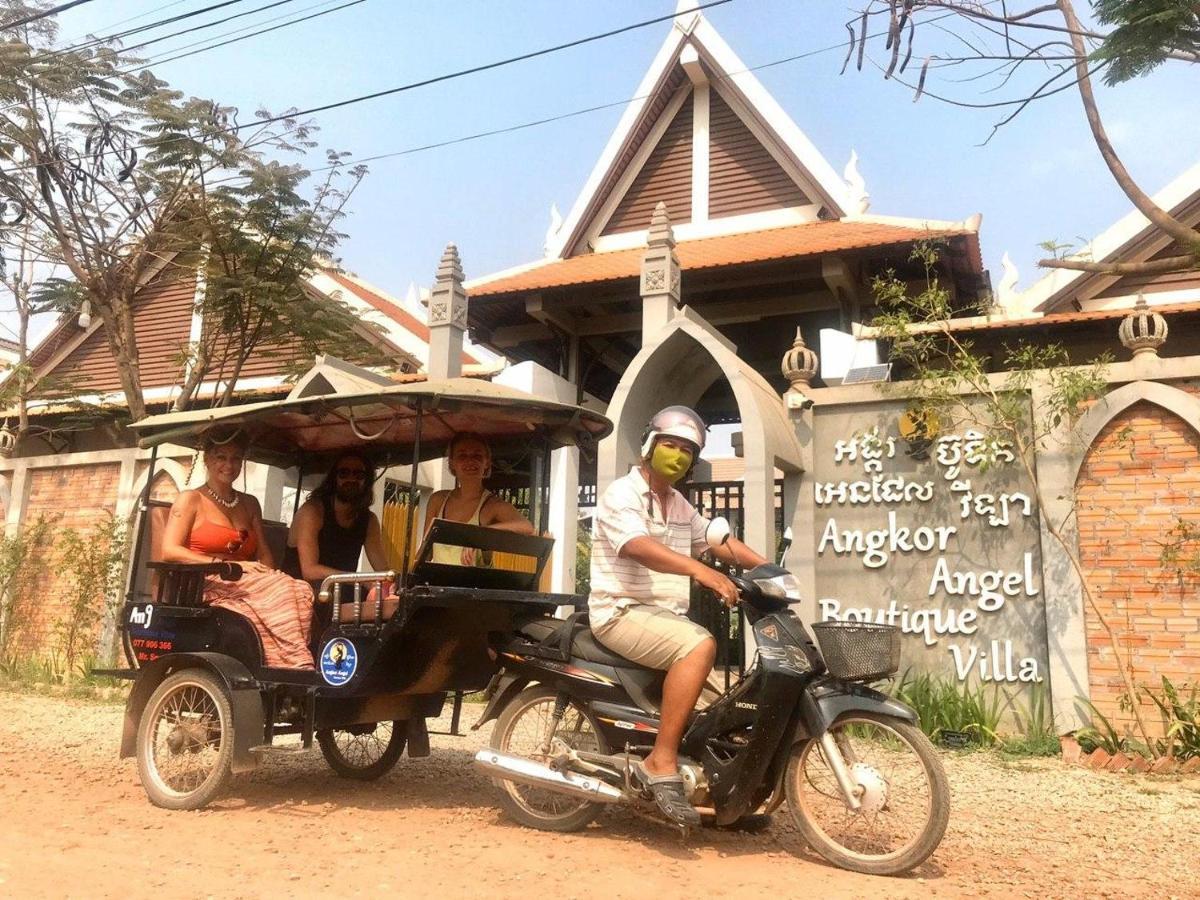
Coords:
pixel 718 584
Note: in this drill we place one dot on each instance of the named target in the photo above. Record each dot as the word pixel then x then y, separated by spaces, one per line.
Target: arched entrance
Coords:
pixel 1139 479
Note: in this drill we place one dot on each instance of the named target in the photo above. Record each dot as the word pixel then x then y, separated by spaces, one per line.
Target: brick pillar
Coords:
pixel 447 317
pixel 660 277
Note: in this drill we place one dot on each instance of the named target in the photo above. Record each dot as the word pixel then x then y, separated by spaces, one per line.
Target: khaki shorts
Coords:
pixel 651 636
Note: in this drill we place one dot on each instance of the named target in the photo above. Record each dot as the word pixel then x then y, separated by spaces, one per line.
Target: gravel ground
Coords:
pixel 76 823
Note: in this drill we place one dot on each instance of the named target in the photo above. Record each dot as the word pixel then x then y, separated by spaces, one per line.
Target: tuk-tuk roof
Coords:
pixel 382 422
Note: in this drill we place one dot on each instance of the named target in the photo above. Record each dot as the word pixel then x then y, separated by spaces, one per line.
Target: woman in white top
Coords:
pixel 470 462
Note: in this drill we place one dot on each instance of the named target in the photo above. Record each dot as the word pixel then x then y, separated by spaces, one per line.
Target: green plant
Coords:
pixel 1102 734
pixel 944 705
pixel 20 562
pixel 1181 721
pixel 1036 735
pixel 94 564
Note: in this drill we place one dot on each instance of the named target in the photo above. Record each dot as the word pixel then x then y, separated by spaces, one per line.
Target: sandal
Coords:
pixel 667 791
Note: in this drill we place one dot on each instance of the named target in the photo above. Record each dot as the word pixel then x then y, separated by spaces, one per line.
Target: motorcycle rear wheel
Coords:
pixel 904 793
pixel 523 729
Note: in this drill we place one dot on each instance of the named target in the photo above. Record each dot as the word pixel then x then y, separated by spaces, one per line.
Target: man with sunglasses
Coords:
pixel 333 527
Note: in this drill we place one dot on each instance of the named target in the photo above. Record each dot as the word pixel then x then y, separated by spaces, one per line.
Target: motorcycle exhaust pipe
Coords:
pixel 526 771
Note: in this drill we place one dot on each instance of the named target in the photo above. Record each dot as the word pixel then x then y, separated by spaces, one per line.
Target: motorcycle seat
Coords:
pixel 550 632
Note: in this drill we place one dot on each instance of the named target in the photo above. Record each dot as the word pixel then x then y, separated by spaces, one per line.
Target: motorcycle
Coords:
pixel 862 782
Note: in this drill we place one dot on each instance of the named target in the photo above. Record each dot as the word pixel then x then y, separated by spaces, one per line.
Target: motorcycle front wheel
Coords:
pixel 902 789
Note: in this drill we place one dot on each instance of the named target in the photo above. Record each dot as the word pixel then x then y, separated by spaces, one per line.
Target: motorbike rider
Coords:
pixel 644 547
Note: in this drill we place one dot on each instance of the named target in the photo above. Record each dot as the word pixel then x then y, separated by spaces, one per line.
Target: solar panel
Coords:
pixel 868 374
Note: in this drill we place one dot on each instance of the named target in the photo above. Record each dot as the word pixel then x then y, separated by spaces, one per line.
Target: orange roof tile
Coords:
pixel 401 317
pixel 710 253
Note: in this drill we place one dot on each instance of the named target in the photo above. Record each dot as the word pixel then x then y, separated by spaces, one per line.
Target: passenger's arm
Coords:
pixel 265 557
pixel 374 545
pixel 502 515
pixel 654 555
pixel 438 502
pixel 305 529
pixel 179 526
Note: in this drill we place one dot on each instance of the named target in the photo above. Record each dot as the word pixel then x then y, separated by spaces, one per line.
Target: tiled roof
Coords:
pixel 1069 318
pixel 400 316
pixel 791 242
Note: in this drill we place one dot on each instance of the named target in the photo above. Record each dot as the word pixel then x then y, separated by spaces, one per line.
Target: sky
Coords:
pixel 1039 178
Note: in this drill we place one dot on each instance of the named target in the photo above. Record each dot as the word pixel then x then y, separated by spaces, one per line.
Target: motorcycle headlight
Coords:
pixel 781 587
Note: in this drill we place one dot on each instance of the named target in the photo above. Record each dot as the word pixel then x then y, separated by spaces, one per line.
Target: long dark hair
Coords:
pixel 328 486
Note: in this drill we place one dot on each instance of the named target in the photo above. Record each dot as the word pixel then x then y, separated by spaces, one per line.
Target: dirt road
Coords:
pixel 76 823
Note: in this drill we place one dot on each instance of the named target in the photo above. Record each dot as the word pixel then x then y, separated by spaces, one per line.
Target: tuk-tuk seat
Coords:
pixel 183 586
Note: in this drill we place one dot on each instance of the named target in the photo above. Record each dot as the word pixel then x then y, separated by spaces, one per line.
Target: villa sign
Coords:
pixel 942 543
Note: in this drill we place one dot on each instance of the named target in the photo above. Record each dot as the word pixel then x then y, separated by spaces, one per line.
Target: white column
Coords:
pixel 447 317
pixel 564 517
pixel 661 275
pixel 700 105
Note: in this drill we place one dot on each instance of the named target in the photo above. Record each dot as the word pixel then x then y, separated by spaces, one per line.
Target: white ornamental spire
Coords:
pixel 860 200
pixel 556 221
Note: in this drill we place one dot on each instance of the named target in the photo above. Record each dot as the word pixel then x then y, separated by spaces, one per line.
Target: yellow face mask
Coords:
pixel 670 462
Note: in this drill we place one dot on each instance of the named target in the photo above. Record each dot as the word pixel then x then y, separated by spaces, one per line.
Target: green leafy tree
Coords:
pixel 952 383
pixel 20 567
pixel 124 179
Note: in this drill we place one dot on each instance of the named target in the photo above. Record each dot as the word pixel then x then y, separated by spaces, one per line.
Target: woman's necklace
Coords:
pixel 228 504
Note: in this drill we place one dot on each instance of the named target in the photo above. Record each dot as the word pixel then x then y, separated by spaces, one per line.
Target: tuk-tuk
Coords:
pixel 203 704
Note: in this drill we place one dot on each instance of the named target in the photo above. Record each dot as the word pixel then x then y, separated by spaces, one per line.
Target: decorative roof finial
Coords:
pixel 1143 331
pixel 860 200
pixel 661 233
pixel 1006 290
pixel 556 221
pixel 8 441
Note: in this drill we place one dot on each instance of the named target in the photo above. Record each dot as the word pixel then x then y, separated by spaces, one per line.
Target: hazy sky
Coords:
pixel 1040 178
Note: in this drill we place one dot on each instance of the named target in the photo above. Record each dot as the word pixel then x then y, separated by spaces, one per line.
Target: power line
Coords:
pixel 138 16
pixel 473 70
pixel 170 20
pixel 204 25
pixel 166 58
pixel 413 85
pixel 62 7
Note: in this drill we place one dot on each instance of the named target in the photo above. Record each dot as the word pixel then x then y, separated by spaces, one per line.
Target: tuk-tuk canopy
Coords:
pixel 381 423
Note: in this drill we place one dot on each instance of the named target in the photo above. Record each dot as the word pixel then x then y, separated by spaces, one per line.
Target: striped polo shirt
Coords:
pixel 627 510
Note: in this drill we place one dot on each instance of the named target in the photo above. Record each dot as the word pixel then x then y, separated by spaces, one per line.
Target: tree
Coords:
pixel 954 385
pixel 262 237
pixel 125 179
pixel 996 47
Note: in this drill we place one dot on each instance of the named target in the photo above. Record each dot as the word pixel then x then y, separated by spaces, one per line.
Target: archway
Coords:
pixel 1139 478
pixel 679 367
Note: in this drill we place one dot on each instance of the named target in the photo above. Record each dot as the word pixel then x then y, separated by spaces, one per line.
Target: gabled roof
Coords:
pixel 757 246
pixel 693 49
pixel 1130 238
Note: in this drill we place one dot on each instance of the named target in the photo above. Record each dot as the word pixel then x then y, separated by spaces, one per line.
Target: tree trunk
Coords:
pixel 118 327
pixel 1143 202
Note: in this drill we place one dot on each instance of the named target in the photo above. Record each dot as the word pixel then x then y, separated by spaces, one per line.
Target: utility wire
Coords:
pixel 206 25
pixel 62 7
pixel 166 57
pixel 170 20
pixel 134 18
pixel 413 85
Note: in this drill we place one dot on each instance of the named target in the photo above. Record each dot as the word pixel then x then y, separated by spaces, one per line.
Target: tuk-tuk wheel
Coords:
pixel 185 741
pixel 363 752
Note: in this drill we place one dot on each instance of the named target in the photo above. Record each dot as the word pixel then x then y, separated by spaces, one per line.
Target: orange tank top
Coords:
pixel 221 540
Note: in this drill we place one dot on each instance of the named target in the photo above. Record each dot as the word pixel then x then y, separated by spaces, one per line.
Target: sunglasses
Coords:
pixel 235 545
pixel 357 474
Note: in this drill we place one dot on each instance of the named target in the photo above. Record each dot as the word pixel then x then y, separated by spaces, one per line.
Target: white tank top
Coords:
pixel 450 554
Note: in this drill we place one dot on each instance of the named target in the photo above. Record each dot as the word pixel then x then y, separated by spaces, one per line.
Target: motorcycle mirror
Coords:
pixel 717 532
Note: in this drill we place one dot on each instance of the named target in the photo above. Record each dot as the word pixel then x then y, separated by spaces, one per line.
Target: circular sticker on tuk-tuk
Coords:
pixel 339 659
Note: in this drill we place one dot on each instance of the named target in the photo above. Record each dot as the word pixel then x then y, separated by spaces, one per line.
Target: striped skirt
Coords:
pixel 280 608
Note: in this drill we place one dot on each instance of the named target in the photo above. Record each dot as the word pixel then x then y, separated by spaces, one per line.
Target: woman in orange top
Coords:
pixel 217 523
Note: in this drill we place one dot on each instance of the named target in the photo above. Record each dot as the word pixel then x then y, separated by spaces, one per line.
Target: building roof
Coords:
pixel 693 50
pixel 395 312
pixel 1132 237
pixel 791 242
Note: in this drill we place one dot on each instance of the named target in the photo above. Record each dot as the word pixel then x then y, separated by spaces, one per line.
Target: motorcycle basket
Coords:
pixel 859 651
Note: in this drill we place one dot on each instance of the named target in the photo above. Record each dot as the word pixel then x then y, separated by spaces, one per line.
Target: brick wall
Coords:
pixel 1140 477
pixel 79 496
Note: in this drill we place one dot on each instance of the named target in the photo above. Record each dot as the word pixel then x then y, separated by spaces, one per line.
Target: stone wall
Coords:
pixel 1140 476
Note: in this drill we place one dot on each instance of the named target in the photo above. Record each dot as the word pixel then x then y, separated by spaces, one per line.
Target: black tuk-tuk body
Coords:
pixel 203 705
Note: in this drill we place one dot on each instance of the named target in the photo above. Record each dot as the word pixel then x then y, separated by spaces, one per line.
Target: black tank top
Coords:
pixel 337 547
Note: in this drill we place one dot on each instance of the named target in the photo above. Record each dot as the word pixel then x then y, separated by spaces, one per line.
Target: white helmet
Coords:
pixel 674 421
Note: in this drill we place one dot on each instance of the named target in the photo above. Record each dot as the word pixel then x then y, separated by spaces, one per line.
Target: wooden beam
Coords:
pixel 512 335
